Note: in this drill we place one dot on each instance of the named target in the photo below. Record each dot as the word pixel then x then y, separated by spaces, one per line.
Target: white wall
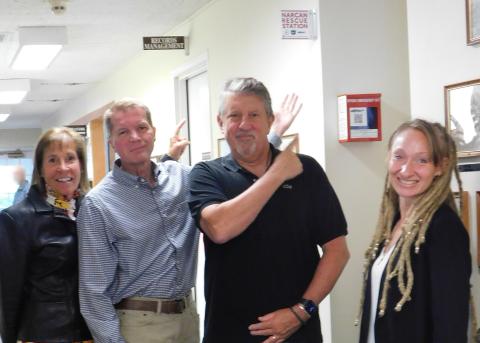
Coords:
pixel 364 49
pixel 19 139
pixel 439 56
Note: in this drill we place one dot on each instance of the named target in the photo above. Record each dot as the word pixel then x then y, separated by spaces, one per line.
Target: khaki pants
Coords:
pixel 149 327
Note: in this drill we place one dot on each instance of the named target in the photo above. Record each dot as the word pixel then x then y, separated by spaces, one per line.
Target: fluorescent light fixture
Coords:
pixel 13 91
pixel 4 116
pixel 38 46
pixel 35 57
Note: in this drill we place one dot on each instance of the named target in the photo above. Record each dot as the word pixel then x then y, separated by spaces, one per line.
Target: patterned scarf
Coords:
pixel 57 200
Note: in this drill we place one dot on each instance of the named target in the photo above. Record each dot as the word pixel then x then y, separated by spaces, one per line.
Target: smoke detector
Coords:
pixel 58 7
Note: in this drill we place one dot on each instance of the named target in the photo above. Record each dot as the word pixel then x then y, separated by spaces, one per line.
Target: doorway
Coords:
pixel 192 103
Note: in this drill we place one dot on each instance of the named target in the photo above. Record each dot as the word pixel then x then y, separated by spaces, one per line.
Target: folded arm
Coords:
pixel 224 221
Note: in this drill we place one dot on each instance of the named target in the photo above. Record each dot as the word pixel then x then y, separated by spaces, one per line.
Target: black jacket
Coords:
pixel 39 274
pixel 439 306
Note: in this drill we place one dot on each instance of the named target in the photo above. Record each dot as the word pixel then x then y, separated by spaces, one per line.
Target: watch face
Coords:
pixel 310 306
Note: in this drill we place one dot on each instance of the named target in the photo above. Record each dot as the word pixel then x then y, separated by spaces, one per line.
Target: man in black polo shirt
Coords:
pixel 264 213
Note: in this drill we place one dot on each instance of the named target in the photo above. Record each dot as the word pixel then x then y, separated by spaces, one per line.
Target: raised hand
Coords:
pixel 178 144
pixel 286 115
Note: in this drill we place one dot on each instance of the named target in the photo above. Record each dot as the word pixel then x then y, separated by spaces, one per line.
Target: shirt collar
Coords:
pixel 229 162
pixel 129 179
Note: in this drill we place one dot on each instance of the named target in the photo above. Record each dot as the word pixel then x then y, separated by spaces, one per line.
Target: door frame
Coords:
pixel 180 76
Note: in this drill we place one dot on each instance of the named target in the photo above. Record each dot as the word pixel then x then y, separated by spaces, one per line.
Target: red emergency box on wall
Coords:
pixel 359 118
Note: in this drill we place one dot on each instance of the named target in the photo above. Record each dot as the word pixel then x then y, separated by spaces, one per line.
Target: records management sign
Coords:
pixel 164 43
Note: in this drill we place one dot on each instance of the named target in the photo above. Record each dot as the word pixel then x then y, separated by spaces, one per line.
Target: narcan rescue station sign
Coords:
pixel 164 43
pixel 296 24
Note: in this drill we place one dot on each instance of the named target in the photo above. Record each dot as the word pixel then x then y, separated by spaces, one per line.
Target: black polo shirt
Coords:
pixel 270 265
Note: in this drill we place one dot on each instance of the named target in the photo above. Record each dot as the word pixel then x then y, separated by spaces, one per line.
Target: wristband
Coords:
pixel 302 322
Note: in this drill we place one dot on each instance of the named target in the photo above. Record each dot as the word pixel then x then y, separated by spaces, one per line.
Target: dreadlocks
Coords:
pixel 418 217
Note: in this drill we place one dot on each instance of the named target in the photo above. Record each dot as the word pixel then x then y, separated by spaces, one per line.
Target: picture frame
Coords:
pixel 462 116
pixel 473 21
pixel 464 210
pixel 223 149
pixel 286 139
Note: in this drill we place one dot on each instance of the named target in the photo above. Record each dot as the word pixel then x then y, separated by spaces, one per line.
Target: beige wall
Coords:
pixel 364 49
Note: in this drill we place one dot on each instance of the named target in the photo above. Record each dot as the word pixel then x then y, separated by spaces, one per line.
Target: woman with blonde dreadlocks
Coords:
pixel 418 266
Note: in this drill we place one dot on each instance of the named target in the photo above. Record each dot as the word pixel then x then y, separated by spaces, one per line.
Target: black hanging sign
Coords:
pixel 164 43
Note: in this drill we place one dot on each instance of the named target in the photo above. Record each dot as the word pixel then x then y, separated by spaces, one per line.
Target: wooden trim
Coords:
pixel 98 150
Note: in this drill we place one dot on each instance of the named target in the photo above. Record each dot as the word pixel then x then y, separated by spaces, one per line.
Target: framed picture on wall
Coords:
pixel 223 149
pixel 462 116
pixel 473 21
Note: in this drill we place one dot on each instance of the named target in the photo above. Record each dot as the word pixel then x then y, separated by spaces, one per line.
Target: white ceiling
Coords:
pixel 102 35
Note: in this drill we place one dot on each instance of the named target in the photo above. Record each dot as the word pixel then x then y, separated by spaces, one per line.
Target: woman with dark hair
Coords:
pixel 38 247
pixel 418 266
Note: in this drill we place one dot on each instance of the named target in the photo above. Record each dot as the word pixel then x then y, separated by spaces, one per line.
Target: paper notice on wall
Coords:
pixel 298 24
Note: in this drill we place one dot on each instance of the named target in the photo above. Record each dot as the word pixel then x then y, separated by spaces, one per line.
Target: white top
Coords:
pixel 375 278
